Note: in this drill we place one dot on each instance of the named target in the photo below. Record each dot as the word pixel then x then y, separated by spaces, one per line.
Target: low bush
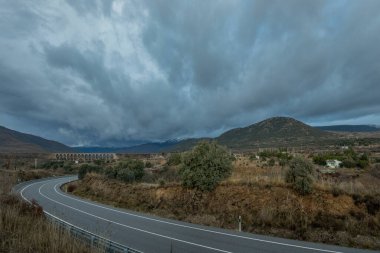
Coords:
pixel 88 168
pixel 372 202
pixel 174 159
pixel 126 175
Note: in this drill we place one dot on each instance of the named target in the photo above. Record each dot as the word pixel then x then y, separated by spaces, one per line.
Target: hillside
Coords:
pixel 349 128
pixel 16 142
pixel 154 147
pixel 274 132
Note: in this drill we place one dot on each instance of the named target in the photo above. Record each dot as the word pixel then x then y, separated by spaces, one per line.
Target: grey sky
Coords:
pixel 88 72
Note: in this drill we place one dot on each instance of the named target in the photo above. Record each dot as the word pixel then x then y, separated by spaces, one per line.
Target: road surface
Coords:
pixel 149 233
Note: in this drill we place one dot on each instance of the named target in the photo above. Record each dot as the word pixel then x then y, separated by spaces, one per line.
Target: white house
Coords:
pixel 333 163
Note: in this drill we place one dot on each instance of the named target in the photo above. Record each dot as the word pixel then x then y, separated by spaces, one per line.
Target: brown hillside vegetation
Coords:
pixel 273 209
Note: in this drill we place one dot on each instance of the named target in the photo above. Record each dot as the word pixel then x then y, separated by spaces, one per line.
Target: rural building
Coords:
pixel 333 163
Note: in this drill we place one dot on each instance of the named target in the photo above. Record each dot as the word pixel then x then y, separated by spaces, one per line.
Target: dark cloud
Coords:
pixel 121 72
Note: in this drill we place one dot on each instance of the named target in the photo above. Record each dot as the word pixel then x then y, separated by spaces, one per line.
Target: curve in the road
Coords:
pixel 151 234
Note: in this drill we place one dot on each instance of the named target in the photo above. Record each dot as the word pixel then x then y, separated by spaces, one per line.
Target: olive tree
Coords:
pixel 205 166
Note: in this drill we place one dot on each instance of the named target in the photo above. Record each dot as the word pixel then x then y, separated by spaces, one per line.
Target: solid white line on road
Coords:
pixel 195 228
pixel 68 223
pixel 130 227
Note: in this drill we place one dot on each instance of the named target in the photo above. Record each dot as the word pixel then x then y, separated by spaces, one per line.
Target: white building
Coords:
pixel 333 163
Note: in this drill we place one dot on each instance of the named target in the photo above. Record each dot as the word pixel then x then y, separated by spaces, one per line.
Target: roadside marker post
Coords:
pixel 239 223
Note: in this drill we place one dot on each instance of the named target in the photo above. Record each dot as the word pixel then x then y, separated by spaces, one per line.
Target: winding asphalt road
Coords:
pixel 148 233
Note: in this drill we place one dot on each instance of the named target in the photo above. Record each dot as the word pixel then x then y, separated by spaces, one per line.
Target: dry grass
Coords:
pixel 266 209
pixel 350 181
pixel 23 227
pixel 256 172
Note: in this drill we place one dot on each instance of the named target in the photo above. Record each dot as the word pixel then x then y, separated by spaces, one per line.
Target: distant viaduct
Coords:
pixel 84 156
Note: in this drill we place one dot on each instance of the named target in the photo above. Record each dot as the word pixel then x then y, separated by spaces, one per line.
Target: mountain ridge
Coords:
pixel 12 141
pixel 350 128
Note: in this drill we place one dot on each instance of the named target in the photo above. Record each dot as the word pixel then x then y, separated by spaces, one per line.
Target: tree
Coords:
pixel 174 159
pixel 87 168
pixel 136 167
pixel 205 166
pixel 300 175
pixel 126 175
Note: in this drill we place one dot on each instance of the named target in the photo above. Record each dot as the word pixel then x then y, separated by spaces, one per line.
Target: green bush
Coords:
pixel 320 160
pixel 134 166
pixel 300 175
pixel 110 172
pixel 348 163
pixel 126 175
pixel 205 166
pixel 87 168
pixel 175 159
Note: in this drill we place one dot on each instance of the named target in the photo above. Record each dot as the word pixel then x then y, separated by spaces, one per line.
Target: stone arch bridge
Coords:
pixel 84 156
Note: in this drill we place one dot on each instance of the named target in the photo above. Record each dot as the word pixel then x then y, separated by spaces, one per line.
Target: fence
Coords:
pixel 90 238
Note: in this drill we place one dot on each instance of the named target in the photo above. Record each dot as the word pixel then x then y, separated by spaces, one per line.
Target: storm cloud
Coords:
pixel 122 72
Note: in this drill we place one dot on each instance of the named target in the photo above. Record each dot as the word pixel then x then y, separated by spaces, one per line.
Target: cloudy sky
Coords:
pixel 113 73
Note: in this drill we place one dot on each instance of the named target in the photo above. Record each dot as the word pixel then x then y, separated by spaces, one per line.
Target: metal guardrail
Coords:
pixel 90 238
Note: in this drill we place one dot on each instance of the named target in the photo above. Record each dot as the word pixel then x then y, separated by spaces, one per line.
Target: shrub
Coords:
pixel 375 171
pixel 300 175
pixel 135 167
pixel 205 166
pixel 282 162
pixel 336 191
pixel 175 159
pixel 110 172
pixel 71 187
pixel 271 162
pixel 162 182
pixel 87 168
pixel 372 202
pixel 126 175
pixel 348 163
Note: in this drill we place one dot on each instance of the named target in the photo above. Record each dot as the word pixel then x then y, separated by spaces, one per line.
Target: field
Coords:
pixel 343 208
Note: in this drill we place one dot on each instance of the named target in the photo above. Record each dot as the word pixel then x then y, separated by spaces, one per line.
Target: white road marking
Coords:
pixel 68 223
pixel 130 227
pixel 157 220
pixel 195 228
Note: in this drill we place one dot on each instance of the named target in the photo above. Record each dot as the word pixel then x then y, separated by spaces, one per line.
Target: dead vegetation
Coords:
pixel 266 208
pixel 343 208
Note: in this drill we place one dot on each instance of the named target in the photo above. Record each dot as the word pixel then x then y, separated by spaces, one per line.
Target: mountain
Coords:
pixel 151 147
pixel 16 142
pixel 154 147
pixel 96 149
pixel 350 128
pixel 274 132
